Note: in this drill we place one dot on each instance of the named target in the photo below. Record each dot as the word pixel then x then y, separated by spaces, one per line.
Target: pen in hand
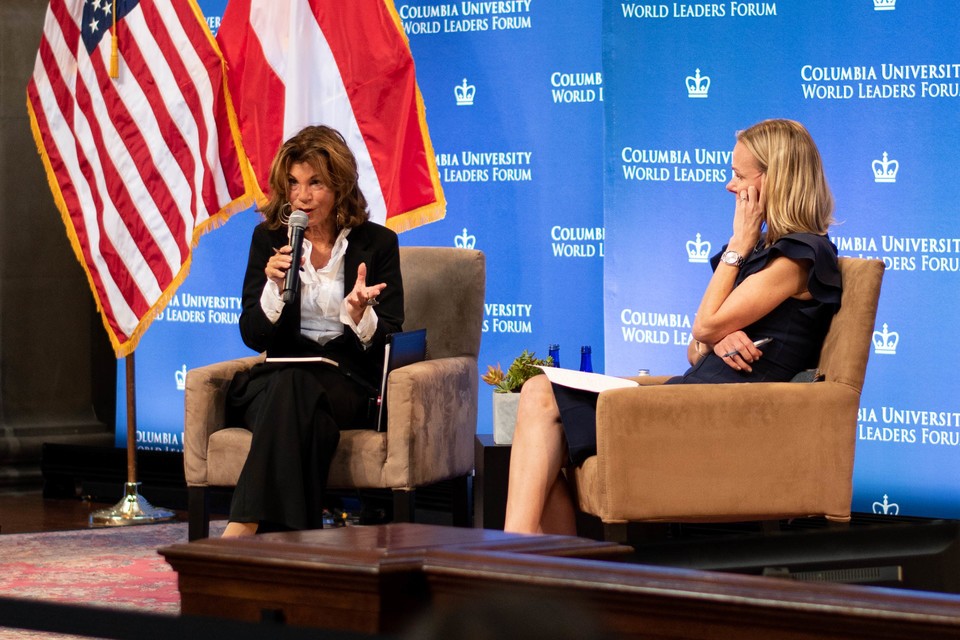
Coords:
pixel 756 343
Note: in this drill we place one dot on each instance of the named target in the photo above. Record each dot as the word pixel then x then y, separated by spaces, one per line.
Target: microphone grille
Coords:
pixel 298 219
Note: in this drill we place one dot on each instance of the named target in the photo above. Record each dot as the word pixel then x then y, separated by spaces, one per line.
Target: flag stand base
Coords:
pixel 132 509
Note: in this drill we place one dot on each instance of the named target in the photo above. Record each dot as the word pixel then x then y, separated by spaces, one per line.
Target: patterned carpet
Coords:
pixel 115 567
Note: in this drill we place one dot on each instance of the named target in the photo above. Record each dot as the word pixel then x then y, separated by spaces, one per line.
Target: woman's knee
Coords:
pixel 537 416
pixel 537 396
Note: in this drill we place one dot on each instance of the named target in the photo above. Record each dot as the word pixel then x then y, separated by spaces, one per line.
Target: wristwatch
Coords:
pixel 732 258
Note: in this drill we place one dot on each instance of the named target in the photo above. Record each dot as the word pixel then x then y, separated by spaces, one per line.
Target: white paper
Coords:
pixel 595 382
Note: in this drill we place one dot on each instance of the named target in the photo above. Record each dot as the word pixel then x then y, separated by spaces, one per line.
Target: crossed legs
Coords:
pixel 538 497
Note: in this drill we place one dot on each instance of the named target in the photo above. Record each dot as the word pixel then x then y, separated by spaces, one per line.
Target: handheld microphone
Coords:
pixel 291 282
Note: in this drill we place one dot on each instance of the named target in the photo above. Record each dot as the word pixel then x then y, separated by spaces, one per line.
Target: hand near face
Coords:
pixel 362 296
pixel 747 185
pixel 748 216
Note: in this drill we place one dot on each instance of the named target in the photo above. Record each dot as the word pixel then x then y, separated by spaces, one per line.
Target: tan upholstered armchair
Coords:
pixel 737 452
pixel 432 410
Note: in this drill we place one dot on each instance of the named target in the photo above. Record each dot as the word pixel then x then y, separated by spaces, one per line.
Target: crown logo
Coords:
pixel 886 508
pixel 698 86
pixel 465 93
pixel 885 341
pixel 885 170
pixel 464 240
pixel 884 5
pixel 698 250
pixel 181 377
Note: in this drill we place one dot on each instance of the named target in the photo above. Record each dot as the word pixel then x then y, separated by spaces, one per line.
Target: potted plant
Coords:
pixel 506 391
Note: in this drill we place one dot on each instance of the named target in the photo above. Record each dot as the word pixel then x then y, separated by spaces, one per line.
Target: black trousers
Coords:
pixel 295 413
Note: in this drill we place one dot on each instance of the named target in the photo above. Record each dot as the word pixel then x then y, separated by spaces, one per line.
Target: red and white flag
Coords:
pixel 346 64
pixel 140 164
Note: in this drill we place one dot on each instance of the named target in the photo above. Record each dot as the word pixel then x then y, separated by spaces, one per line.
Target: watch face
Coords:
pixel 730 257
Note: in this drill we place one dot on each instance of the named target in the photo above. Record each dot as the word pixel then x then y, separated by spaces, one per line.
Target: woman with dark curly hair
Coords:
pixel 325 347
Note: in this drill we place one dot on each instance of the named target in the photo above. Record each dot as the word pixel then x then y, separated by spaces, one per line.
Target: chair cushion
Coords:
pixel 358 462
pixel 226 452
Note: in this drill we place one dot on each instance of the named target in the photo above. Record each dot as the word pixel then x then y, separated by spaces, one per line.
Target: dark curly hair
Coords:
pixel 327 152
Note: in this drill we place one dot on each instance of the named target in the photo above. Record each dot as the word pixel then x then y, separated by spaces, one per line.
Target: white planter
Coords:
pixel 504 416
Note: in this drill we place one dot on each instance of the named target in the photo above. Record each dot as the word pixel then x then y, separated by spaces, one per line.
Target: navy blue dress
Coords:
pixel 797 327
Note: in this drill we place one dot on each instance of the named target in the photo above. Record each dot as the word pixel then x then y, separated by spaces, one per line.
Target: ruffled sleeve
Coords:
pixel 824 281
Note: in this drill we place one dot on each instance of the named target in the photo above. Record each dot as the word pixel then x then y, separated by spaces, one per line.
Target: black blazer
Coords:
pixel 368 243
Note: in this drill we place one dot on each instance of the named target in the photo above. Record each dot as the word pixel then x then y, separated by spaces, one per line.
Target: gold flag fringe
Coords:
pixel 123 349
pixel 436 210
pixel 252 195
pixel 68 223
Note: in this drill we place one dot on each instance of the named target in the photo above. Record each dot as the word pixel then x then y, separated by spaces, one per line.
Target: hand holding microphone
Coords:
pixel 297 225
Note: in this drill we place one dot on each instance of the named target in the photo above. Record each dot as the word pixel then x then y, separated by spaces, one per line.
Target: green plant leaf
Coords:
pixel 524 367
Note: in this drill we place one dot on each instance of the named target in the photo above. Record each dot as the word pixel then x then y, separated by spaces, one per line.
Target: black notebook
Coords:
pixel 403 348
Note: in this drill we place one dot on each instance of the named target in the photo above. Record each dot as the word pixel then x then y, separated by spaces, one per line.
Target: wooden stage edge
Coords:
pixel 382 579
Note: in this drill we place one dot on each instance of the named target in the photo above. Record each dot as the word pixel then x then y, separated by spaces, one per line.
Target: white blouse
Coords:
pixel 323 308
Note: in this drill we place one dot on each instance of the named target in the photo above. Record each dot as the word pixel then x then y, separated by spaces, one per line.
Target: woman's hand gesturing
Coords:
pixel 362 296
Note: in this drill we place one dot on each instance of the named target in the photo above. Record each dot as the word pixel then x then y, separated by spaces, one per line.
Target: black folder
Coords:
pixel 403 348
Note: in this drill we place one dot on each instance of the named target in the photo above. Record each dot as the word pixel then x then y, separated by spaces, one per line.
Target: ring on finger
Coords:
pixel 372 302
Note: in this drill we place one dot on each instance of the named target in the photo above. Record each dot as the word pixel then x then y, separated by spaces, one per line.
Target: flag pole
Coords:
pixel 132 508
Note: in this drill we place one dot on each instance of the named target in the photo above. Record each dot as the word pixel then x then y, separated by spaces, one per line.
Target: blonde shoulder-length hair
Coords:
pixel 325 150
pixel 796 196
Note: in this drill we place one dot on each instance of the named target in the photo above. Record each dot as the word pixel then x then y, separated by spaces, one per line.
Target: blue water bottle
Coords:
pixel 554 352
pixel 586 363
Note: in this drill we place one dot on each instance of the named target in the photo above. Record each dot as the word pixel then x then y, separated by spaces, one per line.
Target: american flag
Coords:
pixel 142 164
pixel 346 64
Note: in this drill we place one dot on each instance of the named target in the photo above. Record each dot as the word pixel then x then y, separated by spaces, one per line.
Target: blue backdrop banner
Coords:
pixel 517 126
pixel 876 82
pixel 585 147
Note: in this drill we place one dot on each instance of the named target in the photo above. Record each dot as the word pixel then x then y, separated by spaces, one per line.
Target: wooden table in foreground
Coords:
pixel 379 579
pixel 366 579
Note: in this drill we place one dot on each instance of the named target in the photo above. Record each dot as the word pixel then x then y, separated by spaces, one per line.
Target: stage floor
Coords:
pixel 27 511
pixel 917 555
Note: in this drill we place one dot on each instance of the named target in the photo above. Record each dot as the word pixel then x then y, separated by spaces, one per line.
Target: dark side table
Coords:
pixel 492 468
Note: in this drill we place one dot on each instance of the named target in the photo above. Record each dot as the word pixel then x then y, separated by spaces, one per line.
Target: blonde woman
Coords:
pixel 776 283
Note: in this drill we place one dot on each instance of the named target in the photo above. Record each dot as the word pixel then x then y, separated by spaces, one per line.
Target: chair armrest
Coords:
pixel 647 381
pixel 431 421
pixel 726 452
pixel 204 401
